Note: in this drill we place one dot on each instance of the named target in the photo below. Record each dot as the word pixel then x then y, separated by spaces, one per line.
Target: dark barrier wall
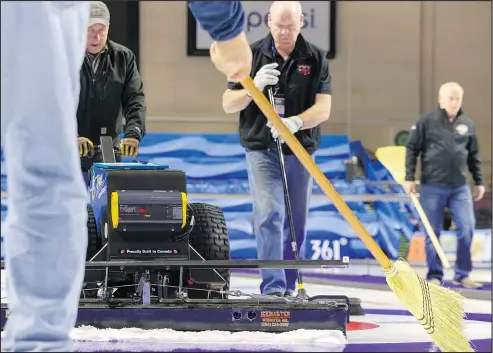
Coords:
pixel 124 26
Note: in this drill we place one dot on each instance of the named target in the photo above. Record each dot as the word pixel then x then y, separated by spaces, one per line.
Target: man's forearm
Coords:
pixel 474 164
pixel 410 163
pixel 135 115
pixel 223 20
pixel 235 101
pixel 315 115
pixel 135 129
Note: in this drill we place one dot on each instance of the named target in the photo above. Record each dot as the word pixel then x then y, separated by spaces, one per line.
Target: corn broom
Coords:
pixel 439 310
pixel 393 159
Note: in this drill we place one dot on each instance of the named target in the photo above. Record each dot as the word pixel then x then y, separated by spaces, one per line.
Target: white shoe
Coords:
pixel 467 282
pixel 435 281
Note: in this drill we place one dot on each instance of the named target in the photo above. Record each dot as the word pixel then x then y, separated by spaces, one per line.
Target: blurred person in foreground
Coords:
pixel 46 227
pixel 446 140
pixel 298 74
pixel 45 231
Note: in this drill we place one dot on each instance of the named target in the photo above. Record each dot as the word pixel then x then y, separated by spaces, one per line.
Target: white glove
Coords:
pixel 293 123
pixel 267 76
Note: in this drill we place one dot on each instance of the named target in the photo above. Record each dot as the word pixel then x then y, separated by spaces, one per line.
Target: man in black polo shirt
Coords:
pixel 298 73
pixel 446 140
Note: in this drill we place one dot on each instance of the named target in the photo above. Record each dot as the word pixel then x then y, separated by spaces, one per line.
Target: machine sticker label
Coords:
pixel 275 318
pixel 99 186
pixel 129 209
pixel 148 251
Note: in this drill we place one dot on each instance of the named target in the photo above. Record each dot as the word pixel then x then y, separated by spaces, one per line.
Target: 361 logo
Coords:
pixel 327 249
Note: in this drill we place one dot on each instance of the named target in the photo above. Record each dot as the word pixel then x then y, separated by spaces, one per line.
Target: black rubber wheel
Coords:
pixel 210 238
pixel 93 240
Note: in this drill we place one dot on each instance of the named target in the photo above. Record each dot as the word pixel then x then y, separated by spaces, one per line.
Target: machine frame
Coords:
pixel 154 302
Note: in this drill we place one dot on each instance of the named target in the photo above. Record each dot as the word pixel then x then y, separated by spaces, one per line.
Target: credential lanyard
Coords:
pixel 278 99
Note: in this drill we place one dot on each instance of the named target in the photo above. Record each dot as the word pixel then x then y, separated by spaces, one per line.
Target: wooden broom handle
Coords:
pixel 305 159
pixel 430 231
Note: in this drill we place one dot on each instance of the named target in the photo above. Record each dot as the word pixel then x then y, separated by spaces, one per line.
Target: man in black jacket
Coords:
pixel 111 94
pixel 298 73
pixel 447 142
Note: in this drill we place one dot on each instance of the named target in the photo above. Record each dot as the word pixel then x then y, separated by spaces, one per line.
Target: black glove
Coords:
pixel 86 147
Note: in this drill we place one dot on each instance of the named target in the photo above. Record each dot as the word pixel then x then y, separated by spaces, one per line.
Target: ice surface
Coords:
pixel 391 329
pixel 166 339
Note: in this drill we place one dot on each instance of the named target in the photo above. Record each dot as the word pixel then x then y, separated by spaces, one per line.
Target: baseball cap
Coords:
pixel 99 14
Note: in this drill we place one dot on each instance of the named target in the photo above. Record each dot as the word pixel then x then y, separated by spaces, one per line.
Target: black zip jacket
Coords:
pixel 303 76
pixel 109 96
pixel 447 150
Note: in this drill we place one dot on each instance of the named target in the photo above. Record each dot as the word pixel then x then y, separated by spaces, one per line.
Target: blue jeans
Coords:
pixel 458 199
pixel 270 221
pixel 43 45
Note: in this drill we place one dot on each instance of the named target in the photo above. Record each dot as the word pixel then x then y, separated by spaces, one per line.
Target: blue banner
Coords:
pixel 215 164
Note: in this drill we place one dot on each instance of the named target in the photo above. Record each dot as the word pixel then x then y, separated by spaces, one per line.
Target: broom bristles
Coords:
pixel 439 310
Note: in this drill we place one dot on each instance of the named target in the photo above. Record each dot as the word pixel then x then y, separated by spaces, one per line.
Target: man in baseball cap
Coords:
pixel 112 98
pixel 99 14
pixel 99 23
